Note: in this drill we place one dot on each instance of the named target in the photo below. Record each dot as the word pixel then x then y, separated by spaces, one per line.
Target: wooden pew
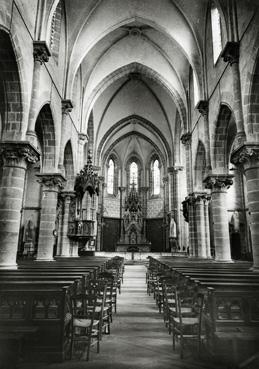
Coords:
pixel 36 296
pixel 231 312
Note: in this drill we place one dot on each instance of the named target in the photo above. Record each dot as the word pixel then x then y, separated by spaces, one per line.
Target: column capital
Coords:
pixel 195 197
pixel 165 179
pixel 66 106
pixel 186 138
pixel 218 181
pixel 52 181
pixel 246 155
pixel 203 107
pixel 68 195
pixel 82 137
pixel 41 52
pixel 230 53
pixel 174 169
pixel 13 152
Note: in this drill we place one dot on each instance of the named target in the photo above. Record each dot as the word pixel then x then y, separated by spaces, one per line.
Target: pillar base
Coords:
pixel 255 269
pixel 224 260
pixel 11 266
pixel 44 260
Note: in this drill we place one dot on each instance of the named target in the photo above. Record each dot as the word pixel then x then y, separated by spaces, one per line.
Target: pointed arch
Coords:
pixel 69 165
pixel 11 106
pixel 200 166
pixel 45 132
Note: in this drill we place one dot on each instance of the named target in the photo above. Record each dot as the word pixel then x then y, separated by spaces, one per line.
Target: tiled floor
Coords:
pixel 138 338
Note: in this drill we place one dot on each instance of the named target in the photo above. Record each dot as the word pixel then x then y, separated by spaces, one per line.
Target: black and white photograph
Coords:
pixel 129 184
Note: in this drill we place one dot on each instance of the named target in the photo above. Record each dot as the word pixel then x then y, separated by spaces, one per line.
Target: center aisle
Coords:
pixel 138 337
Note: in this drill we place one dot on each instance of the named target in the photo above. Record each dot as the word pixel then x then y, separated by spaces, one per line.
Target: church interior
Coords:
pixel 129 184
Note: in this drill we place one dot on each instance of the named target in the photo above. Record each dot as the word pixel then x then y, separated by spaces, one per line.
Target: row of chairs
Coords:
pixel 92 311
pixel 181 307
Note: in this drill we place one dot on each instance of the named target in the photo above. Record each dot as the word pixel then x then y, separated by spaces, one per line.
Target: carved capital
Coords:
pixel 246 155
pixel 144 189
pixel 41 52
pixel 82 137
pixel 230 53
pixel 186 138
pixel 165 179
pixel 68 195
pixel 67 106
pixel 218 182
pixel 51 181
pixel 122 189
pixel 197 197
pixel 175 169
pixel 203 107
pixel 13 153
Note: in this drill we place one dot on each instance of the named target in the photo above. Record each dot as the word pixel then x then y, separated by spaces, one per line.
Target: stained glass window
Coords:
pixel 110 177
pixel 134 174
pixel 156 178
pixel 216 32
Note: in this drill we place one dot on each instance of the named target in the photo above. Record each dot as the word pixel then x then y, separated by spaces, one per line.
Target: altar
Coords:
pixel 133 226
pixel 145 247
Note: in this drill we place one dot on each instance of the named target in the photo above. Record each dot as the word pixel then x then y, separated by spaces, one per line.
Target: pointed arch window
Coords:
pixel 134 174
pixel 216 32
pixel 110 177
pixel 156 177
pixel 56 31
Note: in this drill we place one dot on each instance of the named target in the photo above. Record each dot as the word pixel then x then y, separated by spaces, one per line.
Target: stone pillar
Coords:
pixel 203 108
pixel 122 202
pixel 186 140
pixel 174 197
pixel 218 184
pixel 51 183
pixel 65 242
pixel 199 218
pixel 67 107
pixel 15 156
pixel 230 54
pixel 207 225
pixel 41 55
pixel 191 220
pixel 100 213
pixel 166 211
pixel 144 191
pixel 247 158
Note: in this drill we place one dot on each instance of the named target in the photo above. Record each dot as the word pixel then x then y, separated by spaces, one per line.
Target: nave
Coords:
pixel 138 338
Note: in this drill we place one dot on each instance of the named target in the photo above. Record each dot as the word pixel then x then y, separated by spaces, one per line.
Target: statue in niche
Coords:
pixel 172 228
pixel 29 238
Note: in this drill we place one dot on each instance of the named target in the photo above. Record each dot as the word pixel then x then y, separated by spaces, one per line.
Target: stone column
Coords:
pixel 203 108
pixel 200 240
pixel 100 213
pixel 65 242
pixel 175 198
pixel 218 184
pixel 122 202
pixel 207 225
pixel 144 191
pixel 15 156
pixel 230 54
pixel 247 158
pixel 186 140
pixel 189 201
pixel 67 107
pixel 51 183
pixel 41 55
pixel 166 211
